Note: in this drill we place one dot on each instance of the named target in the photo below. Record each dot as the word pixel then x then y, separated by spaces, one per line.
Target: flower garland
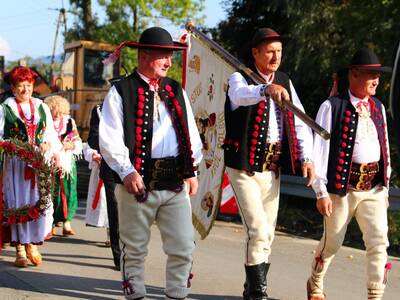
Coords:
pixel 33 157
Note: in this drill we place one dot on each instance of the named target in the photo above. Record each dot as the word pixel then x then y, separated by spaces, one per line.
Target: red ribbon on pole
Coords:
pixel 97 194
pixel 63 197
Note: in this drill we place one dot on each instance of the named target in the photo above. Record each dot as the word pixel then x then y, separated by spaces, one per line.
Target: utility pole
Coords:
pixel 62 19
pixel 1 72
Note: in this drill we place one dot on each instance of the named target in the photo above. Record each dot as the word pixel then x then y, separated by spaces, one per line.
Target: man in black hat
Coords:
pixel 260 137
pixel 148 136
pixel 353 171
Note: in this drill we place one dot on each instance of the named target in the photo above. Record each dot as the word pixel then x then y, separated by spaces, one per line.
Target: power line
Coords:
pixel 62 20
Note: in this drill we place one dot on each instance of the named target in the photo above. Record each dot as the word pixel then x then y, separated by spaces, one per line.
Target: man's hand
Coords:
pixel 97 158
pixel 192 185
pixel 278 93
pixel 308 171
pixel 133 183
pixel 324 206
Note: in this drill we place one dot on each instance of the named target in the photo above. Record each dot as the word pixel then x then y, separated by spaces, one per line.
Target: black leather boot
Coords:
pixel 246 288
pixel 255 287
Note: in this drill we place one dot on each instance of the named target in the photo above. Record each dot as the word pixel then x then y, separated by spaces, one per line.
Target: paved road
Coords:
pixel 80 267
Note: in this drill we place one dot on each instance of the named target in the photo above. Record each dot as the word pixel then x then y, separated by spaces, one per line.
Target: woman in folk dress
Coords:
pixel 27 119
pixel 65 189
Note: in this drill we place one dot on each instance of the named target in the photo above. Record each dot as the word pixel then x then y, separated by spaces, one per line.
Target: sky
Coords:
pixel 27 27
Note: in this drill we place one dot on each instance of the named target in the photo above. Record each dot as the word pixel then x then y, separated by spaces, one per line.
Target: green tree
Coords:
pixel 126 19
pixel 324 35
pixel 85 25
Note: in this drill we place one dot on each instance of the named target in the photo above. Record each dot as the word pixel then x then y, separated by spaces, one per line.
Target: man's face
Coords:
pixel 364 83
pixel 267 56
pixel 157 62
pixel 23 90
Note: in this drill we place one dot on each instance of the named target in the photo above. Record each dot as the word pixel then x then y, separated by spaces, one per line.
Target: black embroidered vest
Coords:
pixel 138 109
pixel 343 135
pixel 246 132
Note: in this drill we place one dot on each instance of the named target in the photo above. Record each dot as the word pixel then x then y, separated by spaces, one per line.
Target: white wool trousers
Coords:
pixel 258 201
pixel 173 215
pixel 369 209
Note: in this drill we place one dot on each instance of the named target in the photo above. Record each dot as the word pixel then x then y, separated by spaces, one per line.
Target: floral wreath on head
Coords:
pixel 44 170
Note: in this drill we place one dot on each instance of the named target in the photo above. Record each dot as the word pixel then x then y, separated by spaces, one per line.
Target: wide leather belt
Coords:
pixel 166 174
pixel 364 177
pixel 273 153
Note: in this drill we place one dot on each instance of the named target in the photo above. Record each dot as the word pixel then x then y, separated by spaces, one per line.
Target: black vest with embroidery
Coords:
pixel 343 135
pixel 246 133
pixel 138 109
pixel 14 127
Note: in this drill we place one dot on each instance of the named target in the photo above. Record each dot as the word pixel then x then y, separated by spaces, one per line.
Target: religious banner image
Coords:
pixel 206 84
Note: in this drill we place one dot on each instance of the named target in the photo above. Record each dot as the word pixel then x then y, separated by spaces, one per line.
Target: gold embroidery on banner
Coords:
pixel 225 87
pixel 196 93
pixel 194 64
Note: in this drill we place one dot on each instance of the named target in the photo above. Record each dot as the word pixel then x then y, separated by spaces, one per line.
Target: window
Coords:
pixel 96 74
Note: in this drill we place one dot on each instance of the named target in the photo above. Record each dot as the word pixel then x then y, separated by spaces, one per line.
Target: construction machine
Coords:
pixel 85 79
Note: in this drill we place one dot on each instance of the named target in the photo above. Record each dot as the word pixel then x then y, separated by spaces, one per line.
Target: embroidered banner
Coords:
pixel 206 84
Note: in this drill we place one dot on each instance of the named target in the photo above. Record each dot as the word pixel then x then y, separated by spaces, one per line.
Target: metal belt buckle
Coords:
pixel 156 173
pixel 157 164
pixel 267 161
pixel 362 168
pixel 271 147
pixel 268 157
pixel 362 180
pixel 358 186
pixel 157 169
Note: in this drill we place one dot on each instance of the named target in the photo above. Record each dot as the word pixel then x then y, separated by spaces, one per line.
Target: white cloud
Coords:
pixel 4 47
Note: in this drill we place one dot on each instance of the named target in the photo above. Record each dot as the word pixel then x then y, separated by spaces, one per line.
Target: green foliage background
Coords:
pixel 324 36
pixel 126 19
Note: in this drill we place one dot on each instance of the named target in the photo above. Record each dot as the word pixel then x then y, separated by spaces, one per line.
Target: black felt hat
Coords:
pixel 366 59
pixel 157 37
pixel 267 34
pixel 151 38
